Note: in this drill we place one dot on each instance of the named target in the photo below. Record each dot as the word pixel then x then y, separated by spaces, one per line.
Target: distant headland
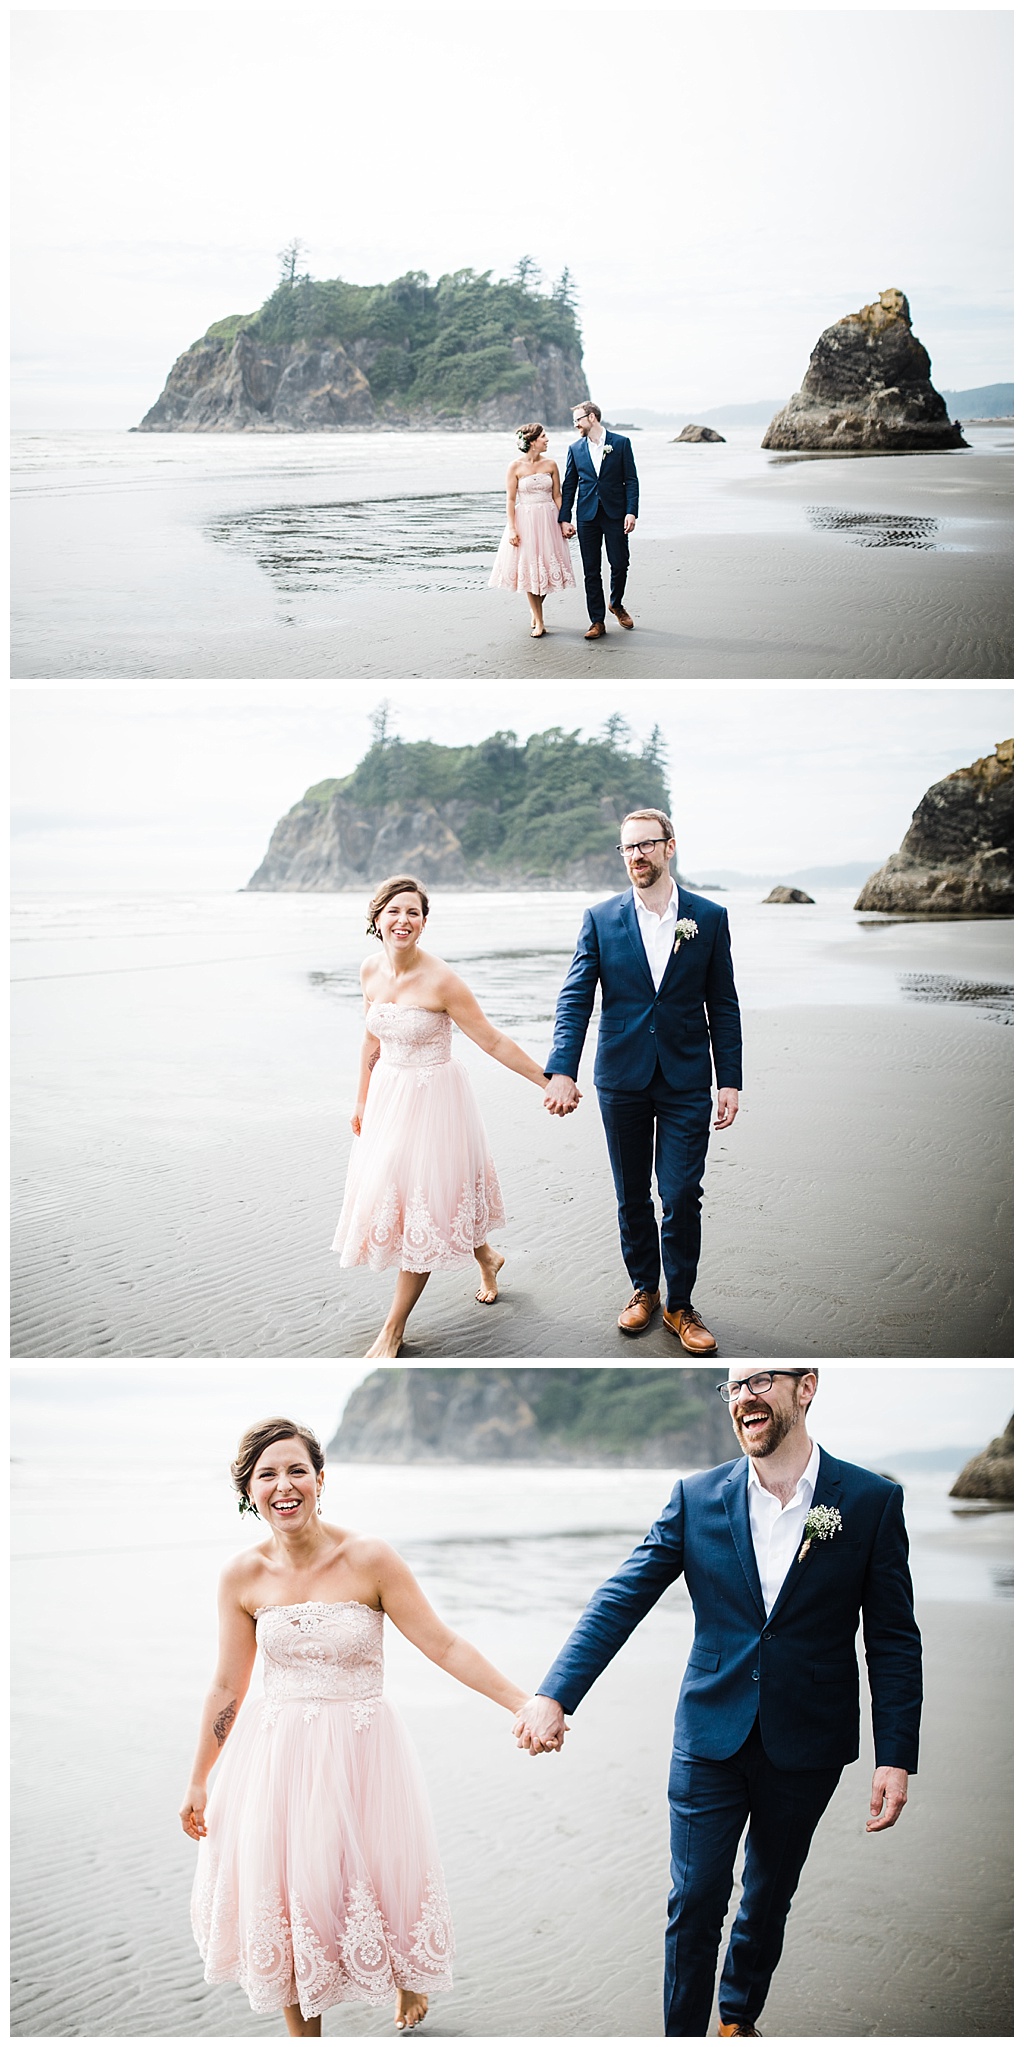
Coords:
pixel 464 354
pixel 539 814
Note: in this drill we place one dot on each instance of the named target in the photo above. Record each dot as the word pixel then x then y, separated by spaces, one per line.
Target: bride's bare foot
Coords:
pixel 410 2008
pixel 537 632
pixel 490 1263
pixel 388 1344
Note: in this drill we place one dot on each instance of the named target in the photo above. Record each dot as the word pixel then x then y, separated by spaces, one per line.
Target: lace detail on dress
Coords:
pixel 320 1650
pixel 539 486
pixel 410 1036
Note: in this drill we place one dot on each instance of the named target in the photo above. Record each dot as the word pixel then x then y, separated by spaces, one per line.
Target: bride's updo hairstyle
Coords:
pixel 396 886
pixel 258 1439
pixel 526 435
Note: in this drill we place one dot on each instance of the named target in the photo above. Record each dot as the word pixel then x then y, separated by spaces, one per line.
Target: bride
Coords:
pixel 318 1881
pixel 421 1192
pixel 533 555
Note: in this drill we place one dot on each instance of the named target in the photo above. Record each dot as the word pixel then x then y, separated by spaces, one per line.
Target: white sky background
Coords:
pixel 162 789
pixel 723 184
pixel 860 1411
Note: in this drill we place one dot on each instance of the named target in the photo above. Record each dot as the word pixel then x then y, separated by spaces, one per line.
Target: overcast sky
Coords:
pixel 723 184
pixel 860 1410
pixel 160 789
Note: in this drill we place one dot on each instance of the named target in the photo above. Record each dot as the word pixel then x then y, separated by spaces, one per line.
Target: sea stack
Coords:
pixel 868 387
pixel 990 1476
pixel 699 433
pixel 957 857
pixel 784 894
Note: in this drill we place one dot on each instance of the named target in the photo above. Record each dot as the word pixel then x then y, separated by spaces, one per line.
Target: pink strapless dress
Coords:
pixel 421 1190
pixel 542 562
pixel 319 1881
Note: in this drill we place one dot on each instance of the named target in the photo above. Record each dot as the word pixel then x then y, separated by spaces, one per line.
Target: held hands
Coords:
pixel 888 1798
pixel 728 1107
pixel 568 529
pixel 539 1726
pixel 193 1812
pixel 561 1096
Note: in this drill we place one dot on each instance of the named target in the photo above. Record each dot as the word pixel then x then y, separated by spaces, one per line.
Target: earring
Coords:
pixel 319 1504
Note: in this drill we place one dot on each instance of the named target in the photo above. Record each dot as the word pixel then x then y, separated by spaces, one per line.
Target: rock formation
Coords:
pixel 957 857
pixel 699 433
pixel 232 383
pixel 990 1476
pixel 868 387
pixel 788 895
pixel 478 1415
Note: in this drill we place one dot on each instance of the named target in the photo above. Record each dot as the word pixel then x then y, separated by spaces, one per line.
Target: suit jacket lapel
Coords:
pixel 673 965
pixel 826 1493
pixel 631 927
pixel 734 1499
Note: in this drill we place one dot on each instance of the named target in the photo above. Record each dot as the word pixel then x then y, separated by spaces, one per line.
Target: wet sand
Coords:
pixel 556 1867
pixel 722 604
pixel 860 1207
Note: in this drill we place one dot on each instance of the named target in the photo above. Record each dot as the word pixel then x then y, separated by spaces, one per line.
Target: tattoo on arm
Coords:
pixel 373 1058
pixel 222 1724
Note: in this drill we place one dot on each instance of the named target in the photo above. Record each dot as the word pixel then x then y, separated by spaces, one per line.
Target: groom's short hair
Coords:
pixel 659 815
pixel 587 405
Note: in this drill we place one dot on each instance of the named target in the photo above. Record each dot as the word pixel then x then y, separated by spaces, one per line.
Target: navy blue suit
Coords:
pixel 768 1713
pixel 652 1072
pixel 603 504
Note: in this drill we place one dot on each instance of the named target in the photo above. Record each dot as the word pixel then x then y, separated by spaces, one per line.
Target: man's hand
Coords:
pixel 728 1107
pixel 540 1726
pixel 567 529
pixel 561 1096
pixel 888 1798
pixel 629 522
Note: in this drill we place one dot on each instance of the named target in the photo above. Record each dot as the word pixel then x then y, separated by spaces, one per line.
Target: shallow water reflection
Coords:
pixel 995 998
pixel 447 541
pixel 875 529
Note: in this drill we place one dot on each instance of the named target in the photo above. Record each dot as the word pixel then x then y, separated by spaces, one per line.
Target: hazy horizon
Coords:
pixel 149 789
pixel 747 214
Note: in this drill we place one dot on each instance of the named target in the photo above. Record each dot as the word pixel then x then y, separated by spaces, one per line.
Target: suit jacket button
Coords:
pixel 651 1029
pixel 756 1675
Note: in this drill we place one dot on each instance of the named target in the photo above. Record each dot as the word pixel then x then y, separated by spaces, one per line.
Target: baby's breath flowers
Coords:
pixel 821 1525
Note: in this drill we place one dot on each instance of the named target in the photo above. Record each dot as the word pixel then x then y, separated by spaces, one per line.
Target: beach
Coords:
pixel 367 555
pixel 556 1867
pixel 184 1078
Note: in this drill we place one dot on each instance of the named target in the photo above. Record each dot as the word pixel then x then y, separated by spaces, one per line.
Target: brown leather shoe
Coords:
pixel 619 611
pixel 737 2032
pixel 597 630
pixel 693 1334
pixel 638 1311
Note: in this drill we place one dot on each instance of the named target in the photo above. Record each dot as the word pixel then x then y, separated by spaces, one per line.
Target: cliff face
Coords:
pixel 225 384
pixel 957 857
pixel 487 1415
pixel 990 1476
pixel 337 844
pixel 868 386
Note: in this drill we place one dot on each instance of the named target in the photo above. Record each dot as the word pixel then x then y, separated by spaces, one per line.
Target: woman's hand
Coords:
pixel 193 1812
pixel 356 1119
pixel 513 538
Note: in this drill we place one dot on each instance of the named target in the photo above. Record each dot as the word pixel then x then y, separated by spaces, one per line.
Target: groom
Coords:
pixel 785 1553
pixel 662 958
pixel 601 468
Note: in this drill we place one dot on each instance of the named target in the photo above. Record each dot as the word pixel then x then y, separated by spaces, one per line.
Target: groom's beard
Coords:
pixel 763 1441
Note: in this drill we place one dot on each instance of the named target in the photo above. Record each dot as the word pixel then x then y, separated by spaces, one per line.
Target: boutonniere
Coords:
pixel 606 449
pixel 821 1525
pixel 686 928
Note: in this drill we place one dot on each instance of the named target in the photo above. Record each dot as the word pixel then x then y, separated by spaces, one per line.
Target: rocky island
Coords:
pixel 464 354
pixel 957 857
pixel 537 815
pixel 868 389
pixel 988 1476
pixel 485 1415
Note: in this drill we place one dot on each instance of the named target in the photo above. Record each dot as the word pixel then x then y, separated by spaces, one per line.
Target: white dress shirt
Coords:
pixel 658 933
pixel 595 443
pixel 776 1530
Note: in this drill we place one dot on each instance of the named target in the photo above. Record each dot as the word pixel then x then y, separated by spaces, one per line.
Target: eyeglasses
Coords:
pixel 760 1383
pixel 642 846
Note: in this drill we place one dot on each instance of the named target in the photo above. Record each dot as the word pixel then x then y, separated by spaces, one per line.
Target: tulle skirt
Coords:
pixel 319 1881
pixel 422 1190
pixel 542 562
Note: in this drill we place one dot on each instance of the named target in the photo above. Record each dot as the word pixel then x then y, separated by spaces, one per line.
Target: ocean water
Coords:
pixel 200 534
